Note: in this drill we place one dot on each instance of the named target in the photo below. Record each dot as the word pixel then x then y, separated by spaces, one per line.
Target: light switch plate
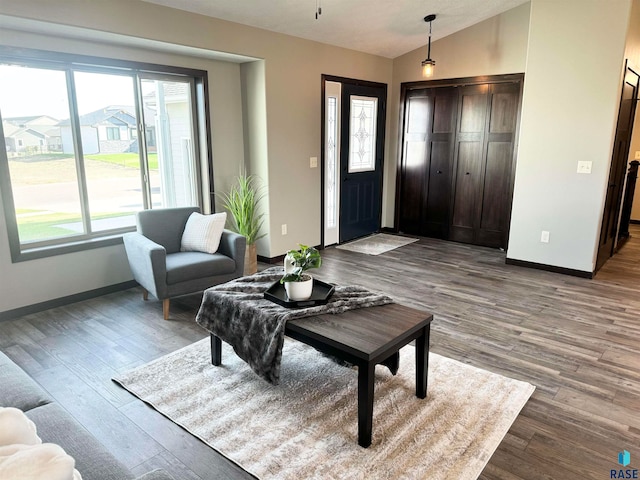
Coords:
pixel 637 156
pixel 313 162
pixel 584 166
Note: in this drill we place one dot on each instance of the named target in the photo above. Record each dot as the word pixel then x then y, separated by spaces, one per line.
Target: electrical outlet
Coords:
pixel 544 237
pixel 313 162
pixel 584 166
pixel 284 228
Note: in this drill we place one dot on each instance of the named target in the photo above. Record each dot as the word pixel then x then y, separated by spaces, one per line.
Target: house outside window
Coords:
pixel 92 131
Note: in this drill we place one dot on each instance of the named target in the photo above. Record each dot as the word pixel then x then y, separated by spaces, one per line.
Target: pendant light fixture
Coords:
pixel 428 65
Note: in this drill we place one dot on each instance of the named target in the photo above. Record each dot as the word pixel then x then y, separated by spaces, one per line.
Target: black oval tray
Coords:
pixel 320 296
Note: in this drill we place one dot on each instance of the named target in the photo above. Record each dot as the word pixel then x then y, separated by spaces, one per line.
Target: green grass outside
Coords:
pixel 128 160
pixel 49 225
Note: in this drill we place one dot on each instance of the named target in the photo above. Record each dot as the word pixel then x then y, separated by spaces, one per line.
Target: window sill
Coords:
pixel 26 254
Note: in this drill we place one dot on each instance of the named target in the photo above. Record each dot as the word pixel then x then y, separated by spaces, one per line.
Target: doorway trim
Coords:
pixel 323 133
pixel 602 254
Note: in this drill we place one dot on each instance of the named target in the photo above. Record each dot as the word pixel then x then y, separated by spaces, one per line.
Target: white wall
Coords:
pixel 256 140
pixel 570 103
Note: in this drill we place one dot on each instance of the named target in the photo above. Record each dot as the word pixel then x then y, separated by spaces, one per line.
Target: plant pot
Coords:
pixel 297 291
pixel 250 260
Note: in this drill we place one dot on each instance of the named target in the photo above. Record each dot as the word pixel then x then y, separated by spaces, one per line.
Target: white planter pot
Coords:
pixel 297 291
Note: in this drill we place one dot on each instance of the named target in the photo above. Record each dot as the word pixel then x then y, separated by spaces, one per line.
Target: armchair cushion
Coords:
pixel 185 266
pixel 164 226
pixel 202 232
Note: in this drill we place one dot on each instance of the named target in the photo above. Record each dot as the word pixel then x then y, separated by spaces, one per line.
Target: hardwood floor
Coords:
pixel 576 340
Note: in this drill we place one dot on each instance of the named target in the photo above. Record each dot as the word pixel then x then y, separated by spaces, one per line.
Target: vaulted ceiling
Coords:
pixel 388 28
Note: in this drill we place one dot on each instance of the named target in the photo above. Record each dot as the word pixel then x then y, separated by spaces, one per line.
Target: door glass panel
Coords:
pixel 43 175
pixel 362 144
pixel 168 120
pixel 332 162
pixel 107 116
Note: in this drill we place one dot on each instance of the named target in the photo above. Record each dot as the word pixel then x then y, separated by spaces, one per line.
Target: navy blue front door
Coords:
pixel 361 155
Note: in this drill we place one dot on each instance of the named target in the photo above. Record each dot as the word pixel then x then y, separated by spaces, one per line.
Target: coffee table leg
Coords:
pixel 422 362
pixel 366 375
pixel 216 350
pixel 393 363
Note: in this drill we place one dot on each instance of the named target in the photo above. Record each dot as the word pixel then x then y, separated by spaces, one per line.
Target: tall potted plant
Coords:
pixel 242 203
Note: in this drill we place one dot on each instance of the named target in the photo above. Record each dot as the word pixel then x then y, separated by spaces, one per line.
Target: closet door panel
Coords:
pixel 467 191
pixel 438 199
pixel 412 188
pixel 500 142
pixel 473 111
pixel 439 191
pixel 493 219
pixel 414 164
pixel 504 109
pixel 468 168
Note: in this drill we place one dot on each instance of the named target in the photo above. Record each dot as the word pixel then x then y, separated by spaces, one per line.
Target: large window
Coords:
pixel 86 146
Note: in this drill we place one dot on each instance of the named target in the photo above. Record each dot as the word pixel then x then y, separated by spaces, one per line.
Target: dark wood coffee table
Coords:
pixel 364 337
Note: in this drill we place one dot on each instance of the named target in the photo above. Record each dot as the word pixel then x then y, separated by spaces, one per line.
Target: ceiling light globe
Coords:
pixel 428 67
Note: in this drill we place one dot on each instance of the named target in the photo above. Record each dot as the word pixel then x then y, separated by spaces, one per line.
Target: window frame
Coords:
pixel 198 80
pixel 113 133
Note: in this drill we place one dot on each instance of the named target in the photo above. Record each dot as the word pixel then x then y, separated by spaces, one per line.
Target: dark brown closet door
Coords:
pixel 469 149
pixel 427 161
pixel 500 143
pixel 484 158
pixel 441 146
pixel 456 172
pixel 417 124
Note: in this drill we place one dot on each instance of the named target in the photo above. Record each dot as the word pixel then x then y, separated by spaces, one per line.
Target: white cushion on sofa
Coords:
pixel 202 233
pixel 46 461
pixel 16 427
pixel 23 455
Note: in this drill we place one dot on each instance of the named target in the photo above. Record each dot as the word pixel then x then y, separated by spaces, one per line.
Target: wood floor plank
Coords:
pixel 190 451
pixel 130 444
pixel 169 463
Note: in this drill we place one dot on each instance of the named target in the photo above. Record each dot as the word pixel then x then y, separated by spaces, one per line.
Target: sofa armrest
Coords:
pixel 148 262
pixel 155 475
pixel 233 245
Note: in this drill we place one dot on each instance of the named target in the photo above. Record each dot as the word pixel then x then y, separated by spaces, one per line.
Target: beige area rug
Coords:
pixel 306 427
pixel 377 244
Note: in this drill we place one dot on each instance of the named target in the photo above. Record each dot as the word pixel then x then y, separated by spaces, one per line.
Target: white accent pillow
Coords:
pixel 24 456
pixel 202 233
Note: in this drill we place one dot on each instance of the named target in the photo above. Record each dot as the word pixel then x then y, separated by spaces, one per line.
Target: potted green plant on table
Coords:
pixel 297 283
pixel 242 203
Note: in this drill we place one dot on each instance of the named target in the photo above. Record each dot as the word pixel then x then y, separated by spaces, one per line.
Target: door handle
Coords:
pixel 438 171
pixel 467 173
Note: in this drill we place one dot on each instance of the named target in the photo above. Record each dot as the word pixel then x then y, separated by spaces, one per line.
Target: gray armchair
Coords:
pixel 163 270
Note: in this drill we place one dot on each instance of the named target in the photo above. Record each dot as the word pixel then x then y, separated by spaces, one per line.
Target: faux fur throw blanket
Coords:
pixel 238 313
